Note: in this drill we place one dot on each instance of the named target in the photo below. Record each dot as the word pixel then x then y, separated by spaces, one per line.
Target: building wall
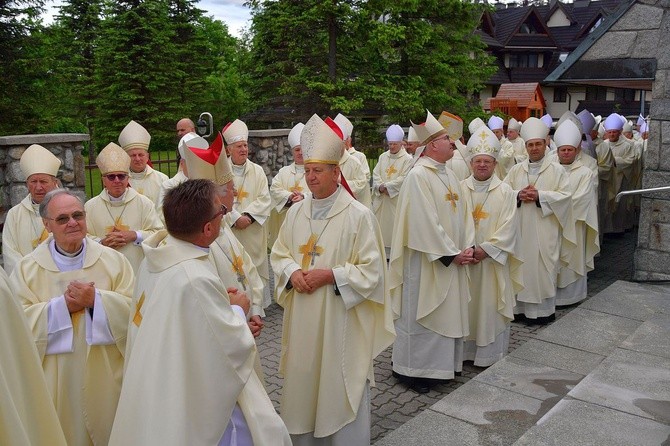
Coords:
pixel 644 31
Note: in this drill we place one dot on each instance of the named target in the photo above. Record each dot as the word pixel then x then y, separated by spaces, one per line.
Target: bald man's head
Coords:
pixel 184 126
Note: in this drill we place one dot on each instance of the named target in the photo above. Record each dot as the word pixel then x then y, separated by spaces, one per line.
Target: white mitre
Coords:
pixel 235 131
pixel 482 142
pixel 112 159
pixel 514 125
pixel 412 136
pixel 453 124
pixel 186 140
pixel 210 163
pixel 395 133
pixel 570 116
pixel 321 143
pixel 475 124
pixel 613 122
pixel 345 125
pixel 294 135
pixel 496 123
pixel 37 159
pixel 429 130
pixel 134 136
pixel 568 134
pixel 534 128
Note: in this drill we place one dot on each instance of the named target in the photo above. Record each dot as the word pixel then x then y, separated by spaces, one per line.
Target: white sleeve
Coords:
pixel 239 311
pixel 97 327
pixel 139 239
pixel 350 297
pixel 60 333
pixel 496 254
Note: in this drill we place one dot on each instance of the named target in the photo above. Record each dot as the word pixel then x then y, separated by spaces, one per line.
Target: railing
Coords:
pixel 640 191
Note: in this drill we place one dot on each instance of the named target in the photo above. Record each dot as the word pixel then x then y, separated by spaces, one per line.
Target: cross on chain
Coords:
pixel 310 251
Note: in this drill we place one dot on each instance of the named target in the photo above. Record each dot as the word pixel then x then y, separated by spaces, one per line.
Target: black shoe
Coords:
pixel 419 385
pixel 544 320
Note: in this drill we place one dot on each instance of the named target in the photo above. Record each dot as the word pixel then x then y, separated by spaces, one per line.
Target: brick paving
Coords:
pixel 393 404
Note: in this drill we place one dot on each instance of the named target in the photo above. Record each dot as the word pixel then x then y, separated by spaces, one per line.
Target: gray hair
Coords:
pixel 54 193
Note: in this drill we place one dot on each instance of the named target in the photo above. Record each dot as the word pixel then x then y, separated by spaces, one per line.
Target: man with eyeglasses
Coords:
pixel 433 240
pixel 120 217
pixel 190 377
pixel 23 229
pixel 76 296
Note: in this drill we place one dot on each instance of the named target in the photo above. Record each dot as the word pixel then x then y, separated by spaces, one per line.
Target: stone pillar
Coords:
pixel 652 254
pixel 270 150
pixel 66 146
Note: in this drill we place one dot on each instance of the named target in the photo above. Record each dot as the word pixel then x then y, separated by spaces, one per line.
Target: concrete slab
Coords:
pixel 558 356
pixel 430 428
pixel 578 423
pixel 631 300
pixel 632 382
pixel 503 414
pixel 530 379
pixel 652 337
pixel 591 331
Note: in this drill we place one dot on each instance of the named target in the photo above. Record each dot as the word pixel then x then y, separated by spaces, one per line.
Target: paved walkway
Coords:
pixel 393 404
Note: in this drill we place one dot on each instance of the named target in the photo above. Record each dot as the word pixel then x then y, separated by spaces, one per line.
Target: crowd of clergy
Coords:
pixel 133 318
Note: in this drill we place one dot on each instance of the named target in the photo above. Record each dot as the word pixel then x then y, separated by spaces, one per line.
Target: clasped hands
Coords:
pixel 243 222
pixel 528 194
pixel 241 299
pixel 79 295
pixel 309 281
pixel 118 239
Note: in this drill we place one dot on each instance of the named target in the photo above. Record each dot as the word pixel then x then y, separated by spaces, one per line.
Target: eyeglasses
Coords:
pixel 222 211
pixel 115 176
pixel 65 219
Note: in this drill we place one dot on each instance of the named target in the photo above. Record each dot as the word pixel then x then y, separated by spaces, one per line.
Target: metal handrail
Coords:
pixel 640 191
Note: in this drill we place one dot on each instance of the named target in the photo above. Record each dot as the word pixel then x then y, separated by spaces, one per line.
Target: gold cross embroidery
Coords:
pixel 238 269
pixel 43 236
pixel 117 226
pixel 296 187
pixel 478 214
pixel 452 197
pixel 390 171
pixel 310 251
pixel 241 194
pixel 137 319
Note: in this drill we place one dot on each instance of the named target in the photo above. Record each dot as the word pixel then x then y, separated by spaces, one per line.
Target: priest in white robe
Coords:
pixel 517 142
pixel 288 186
pixel 76 296
pixel 27 413
pixel 387 178
pixel 495 275
pixel 546 224
pixel 330 276
pixel 457 163
pixel 412 142
pixel 253 204
pixel 506 156
pixel 433 241
pixel 23 229
pixel 190 378
pixel 363 194
pixel 120 217
pixel 135 139
pixel 572 279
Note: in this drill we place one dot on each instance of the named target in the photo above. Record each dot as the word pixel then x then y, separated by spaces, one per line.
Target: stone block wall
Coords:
pixel 644 32
pixel 66 146
pixel 270 150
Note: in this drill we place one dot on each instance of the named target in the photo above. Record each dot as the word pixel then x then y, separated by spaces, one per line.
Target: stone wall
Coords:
pixel 270 149
pixel 644 31
pixel 66 146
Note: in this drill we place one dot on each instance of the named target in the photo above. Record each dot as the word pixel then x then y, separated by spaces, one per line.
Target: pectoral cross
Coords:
pixel 390 171
pixel 137 319
pixel 310 251
pixel 296 188
pixel 238 269
pixel 117 226
pixel 478 214
pixel 452 197
pixel 43 236
pixel 241 194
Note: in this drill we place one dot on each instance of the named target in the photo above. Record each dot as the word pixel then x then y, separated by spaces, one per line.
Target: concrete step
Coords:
pixel 598 375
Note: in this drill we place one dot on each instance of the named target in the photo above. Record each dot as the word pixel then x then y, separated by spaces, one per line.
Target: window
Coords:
pixel 594 93
pixel 624 94
pixel 523 60
pixel 560 94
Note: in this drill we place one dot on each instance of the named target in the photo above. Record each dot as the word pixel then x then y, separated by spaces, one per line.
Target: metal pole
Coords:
pixel 640 191
pixel 643 94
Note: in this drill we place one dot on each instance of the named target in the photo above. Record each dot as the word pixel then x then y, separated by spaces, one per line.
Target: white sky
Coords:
pixel 231 12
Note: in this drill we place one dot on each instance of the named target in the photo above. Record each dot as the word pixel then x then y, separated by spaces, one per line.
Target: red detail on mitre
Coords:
pixel 211 154
pixel 334 127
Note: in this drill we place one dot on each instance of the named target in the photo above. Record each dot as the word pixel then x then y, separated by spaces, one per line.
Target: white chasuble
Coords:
pixel 85 384
pixel 148 183
pixel 329 341
pixel 22 232
pixel 459 166
pixel 27 413
pixel 289 179
pixel 354 174
pixel 134 213
pixel 190 357
pixel 366 197
pixel 547 227
pixel 391 170
pixel 495 280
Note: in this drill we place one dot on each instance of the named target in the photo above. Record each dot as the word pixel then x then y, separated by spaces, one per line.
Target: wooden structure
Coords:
pixel 520 101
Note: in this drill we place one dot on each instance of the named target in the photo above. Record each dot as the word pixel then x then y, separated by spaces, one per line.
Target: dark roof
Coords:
pixel 501 76
pixel 604 108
